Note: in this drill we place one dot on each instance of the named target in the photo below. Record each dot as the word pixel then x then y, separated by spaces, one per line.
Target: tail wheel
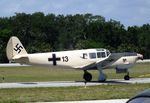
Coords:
pixel 87 76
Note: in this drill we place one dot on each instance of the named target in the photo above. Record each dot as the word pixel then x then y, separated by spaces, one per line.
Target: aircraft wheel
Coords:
pixel 126 77
pixel 87 76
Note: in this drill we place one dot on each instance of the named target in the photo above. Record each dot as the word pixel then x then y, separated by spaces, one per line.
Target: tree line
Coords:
pixel 42 33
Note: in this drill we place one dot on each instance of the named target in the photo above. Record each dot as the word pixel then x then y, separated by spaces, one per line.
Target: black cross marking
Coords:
pixel 54 59
pixel 18 48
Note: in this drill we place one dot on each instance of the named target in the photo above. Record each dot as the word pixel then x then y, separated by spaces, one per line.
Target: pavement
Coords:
pixel 93 101
pixel 71 83
pixel 12 65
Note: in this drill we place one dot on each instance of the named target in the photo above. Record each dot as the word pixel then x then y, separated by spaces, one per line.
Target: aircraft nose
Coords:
pixel 140 56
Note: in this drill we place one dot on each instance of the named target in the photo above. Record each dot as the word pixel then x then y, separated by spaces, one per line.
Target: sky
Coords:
pixel 128 12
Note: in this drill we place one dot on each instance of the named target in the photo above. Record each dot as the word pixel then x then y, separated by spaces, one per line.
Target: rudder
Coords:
pixel 14 47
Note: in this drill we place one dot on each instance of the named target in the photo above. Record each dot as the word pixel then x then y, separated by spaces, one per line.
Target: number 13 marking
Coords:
pixel 65 58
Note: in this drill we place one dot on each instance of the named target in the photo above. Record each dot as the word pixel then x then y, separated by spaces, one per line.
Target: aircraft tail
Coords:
pixel 14 48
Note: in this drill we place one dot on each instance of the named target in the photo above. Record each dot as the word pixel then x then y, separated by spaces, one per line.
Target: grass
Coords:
pixel 70 93
pixel 32 74
pixel 29 74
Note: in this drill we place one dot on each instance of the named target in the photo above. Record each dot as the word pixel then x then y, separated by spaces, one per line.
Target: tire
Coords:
pixel 87 77
pixel 126 77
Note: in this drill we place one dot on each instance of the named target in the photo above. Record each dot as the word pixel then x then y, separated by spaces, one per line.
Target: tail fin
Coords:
pixel 14 47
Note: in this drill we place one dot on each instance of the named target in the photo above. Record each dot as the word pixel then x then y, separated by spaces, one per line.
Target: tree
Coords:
pixel 42 33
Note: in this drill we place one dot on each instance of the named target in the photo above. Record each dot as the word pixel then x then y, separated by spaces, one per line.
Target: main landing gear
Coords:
pixel 102 77
pixel 127 77
pixel 87 76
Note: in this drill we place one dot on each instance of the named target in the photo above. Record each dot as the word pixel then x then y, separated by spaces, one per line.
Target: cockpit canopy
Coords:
pixel 100 53
pixel 96 53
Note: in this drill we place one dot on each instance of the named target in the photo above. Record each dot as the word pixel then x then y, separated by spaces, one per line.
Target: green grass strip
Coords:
pixel 101 92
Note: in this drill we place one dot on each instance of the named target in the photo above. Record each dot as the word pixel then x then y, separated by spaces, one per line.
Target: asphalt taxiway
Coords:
pixel 93 101
pixel 71 83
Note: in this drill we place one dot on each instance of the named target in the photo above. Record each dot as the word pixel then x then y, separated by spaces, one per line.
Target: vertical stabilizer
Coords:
pixel 14 47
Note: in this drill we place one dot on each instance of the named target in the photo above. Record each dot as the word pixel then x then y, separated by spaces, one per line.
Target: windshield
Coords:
pixel 107 52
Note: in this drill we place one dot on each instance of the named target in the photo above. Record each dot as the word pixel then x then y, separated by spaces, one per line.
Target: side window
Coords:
pixel 92 55
pixel 101 55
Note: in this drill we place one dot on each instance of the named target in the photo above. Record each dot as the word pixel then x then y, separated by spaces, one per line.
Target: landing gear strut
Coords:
pixel 127 77
pixel 87 76
pixel 102 77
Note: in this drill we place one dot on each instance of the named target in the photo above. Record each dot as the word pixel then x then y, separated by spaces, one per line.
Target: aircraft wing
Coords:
pixel 113 58
pixel 103 63
pixel 106 62
pixel 144 61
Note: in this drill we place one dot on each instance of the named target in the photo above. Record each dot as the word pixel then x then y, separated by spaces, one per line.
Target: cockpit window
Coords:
pixel 92 55
pixel 101 55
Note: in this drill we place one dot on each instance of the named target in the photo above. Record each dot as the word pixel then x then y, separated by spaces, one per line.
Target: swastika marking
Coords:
pixel 18 48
